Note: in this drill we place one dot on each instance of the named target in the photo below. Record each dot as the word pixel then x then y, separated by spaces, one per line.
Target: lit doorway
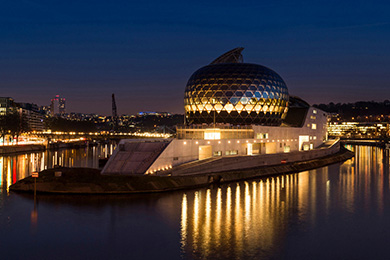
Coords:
pixel 249 149
pixel 205 151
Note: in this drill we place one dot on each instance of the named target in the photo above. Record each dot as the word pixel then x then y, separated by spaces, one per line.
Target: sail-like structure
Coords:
pixel 232 56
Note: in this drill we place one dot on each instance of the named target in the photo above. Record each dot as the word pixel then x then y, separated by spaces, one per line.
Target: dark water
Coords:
pixel 337 212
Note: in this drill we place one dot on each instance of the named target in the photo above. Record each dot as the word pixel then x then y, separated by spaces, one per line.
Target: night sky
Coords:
pixel 145 51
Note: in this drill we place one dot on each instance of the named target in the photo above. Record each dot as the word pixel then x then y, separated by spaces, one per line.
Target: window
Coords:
pixel 262 135
pixel 217 153
pixel 232 152
pixel 313 126
pixel 212 134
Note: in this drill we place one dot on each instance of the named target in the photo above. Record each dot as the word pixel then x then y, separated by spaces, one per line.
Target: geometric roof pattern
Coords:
pixel 232 56
pixel 236 93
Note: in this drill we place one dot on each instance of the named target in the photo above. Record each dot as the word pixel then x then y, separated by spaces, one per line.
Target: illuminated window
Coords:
pixel 314 111
pixel 212 134
pixel 313 126
pixel 232 152
pixel 262 136
pixel 217 153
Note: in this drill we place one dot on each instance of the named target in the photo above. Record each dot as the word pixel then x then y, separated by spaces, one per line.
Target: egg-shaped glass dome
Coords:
pixel 236 93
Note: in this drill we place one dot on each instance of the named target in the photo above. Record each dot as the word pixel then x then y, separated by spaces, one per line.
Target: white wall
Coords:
pixel 180 151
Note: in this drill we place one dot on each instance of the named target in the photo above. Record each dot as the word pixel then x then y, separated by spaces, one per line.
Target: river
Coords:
pixel 341 211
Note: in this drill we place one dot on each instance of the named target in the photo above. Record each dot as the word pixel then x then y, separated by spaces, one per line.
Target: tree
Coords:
pixel 13 123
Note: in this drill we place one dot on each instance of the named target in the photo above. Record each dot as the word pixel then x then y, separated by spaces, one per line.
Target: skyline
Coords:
pixel 146 52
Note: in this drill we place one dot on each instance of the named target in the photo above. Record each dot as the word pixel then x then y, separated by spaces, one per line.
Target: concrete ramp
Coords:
pixel 134 156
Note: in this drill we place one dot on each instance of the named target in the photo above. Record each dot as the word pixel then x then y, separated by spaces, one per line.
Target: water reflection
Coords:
pixel 19 166
pixel 251 219
pixel 324 213
pixel 237 220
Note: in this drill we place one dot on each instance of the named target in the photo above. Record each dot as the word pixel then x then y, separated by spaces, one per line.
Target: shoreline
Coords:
pixel 89 181
pixel 15 149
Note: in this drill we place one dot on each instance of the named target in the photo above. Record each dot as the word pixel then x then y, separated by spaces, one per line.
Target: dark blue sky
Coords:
pixel 145 51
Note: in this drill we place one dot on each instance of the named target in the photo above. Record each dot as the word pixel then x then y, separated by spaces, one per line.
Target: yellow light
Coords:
pixel 229 108
pixel 248 108
pixel 239 107
pixel 184 221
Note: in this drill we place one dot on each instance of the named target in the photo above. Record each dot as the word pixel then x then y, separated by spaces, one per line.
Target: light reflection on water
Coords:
pixel 251 219
pixel 339 211
pixel 18 166
pixel 238 220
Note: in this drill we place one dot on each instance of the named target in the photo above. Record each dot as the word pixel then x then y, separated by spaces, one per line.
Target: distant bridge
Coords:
pixel 383 142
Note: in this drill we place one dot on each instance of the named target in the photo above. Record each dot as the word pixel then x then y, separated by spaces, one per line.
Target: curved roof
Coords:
pixel 235 93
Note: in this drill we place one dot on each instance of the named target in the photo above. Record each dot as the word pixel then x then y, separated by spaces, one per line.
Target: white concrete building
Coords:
pixel 233 109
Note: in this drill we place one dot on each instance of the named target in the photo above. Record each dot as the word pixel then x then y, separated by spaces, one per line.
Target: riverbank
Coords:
pixel 13 149
pixel 90 181
pixel 29 148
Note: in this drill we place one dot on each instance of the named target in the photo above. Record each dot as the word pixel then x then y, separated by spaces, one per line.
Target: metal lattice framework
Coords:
pixel 233 56
pixel 236 93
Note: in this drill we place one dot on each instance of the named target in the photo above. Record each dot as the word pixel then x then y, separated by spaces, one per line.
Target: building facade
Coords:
pixel 57 106
pixel 7 104
pixel 233 110
pixel 33 115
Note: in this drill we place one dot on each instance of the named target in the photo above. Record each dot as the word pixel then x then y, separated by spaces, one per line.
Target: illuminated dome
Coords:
pixel 229 91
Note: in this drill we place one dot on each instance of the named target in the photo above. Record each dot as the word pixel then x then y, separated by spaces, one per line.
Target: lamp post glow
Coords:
pixel 35 176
